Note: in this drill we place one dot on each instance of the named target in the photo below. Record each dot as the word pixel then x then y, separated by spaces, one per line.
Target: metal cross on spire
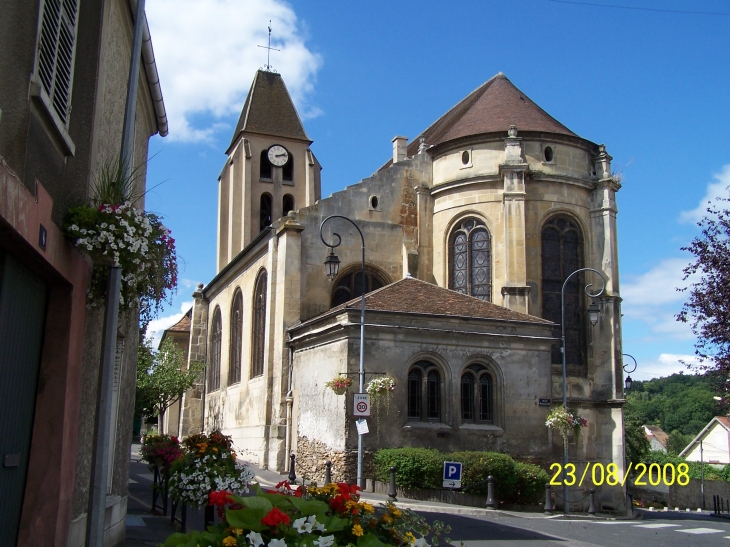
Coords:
pixel 268 49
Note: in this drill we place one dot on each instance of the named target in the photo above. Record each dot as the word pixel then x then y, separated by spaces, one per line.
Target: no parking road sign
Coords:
pixel 452 474
pixel 361 405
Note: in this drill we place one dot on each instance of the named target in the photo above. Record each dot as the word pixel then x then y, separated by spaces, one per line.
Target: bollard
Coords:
pixel 592 506
pixel 629 505
pixel 292 473
pixel 328 472
pixel 549 507
pixel 391 489
pixel 491 503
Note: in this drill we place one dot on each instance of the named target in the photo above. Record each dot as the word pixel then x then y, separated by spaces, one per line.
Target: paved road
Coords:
pixel 660 530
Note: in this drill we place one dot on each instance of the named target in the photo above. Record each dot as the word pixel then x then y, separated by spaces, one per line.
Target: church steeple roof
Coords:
pixel 269 110
pixel 492 107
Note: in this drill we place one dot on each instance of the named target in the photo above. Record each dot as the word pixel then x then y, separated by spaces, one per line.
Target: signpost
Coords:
pixel 361 405
pixel 452 474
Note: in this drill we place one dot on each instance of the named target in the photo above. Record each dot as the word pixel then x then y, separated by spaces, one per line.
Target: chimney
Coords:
pixel 399 149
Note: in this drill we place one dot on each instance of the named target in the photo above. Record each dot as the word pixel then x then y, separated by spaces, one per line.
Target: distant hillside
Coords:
pixel 679 403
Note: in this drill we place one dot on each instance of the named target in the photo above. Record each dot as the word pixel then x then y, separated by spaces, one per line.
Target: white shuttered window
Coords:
pixel 56 50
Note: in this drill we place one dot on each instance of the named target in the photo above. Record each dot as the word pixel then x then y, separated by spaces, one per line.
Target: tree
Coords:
pixel 637 447
pixel 708 306
pixel 162 377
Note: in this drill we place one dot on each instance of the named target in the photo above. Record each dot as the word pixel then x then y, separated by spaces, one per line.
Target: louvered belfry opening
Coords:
pixel 349 285
pixel 562 254
pixel 259 326
pixel 56 52
pixel 234 367
pixel 214 366
pixel 470 253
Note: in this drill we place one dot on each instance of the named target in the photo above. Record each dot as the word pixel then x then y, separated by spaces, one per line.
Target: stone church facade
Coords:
pixel 470 230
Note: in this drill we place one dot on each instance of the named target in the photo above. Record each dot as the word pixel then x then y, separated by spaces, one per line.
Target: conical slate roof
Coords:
pixel 490 108
pixel 269 110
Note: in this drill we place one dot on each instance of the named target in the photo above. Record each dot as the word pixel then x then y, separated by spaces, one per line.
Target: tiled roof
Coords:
pixel 269 109
pixel 658 433
pixel 490 108
pixel 183 325
pixel 412 295
pixel 724 421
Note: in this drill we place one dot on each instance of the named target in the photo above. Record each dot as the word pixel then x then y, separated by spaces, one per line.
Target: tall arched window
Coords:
pixel 265 211
pixel 477 395
pixel 259 326
pixel 287 170
pixel 265 165
pixel 470 259
pixel 562 254
pixel 424 392
pixel 234 360
pixel 287 204
pixel 214 365
pixel 349 285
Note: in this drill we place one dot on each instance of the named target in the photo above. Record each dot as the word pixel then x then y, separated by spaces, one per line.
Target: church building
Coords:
pixel 470 231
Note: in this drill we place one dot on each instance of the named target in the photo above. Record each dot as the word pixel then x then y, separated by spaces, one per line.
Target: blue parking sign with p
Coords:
pixel 452 471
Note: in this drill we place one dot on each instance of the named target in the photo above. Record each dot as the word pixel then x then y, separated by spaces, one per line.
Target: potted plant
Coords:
pixel 565 421
pixel 339 384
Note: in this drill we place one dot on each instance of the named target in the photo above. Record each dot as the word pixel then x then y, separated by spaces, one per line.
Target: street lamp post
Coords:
pixel 332 265
pixel 593 313
pixel 628 382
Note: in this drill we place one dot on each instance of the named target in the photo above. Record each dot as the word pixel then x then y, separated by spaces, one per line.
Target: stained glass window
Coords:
pixel 562 254
pixel 471 259
pixel 477 402
pixel 214 366
pixel 234 362
pixel 424 384
pixel 259 326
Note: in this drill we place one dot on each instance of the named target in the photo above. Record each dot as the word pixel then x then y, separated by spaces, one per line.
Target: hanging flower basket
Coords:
pixel 339 384
pixel 379 387
pixel 565 421
pixel 133 239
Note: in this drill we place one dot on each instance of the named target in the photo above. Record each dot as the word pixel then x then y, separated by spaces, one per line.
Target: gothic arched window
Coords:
pixel 265 165
pixel 562 254
pixel 470 259
pixel 214 365
pixel 234 361
pixel 424 392
pixel 287 170
pixel 265 211
pixel 287 204
pixel 259 326
pixel 349 285
pixel 477 395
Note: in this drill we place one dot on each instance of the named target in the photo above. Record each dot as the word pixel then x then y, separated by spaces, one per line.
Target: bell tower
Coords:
pixel 270 169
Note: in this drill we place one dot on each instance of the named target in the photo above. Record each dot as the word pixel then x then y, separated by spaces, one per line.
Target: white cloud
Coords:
pixel 157 326
pixel 715 189
pixel 207 54
pixel 653 298
pixel 664 365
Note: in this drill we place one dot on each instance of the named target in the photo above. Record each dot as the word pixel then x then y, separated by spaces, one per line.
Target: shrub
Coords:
pixel 531 481
pixel 479 465
pixel 416 467
pixel 695 468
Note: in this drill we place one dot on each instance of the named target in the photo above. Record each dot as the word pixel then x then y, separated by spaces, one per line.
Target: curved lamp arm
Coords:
pixel 634 360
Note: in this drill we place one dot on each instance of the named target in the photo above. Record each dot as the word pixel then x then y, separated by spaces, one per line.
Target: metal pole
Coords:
pixel 129 112
pixel 565 366
pixel 98 487
pixel 360 479
pixel 702 467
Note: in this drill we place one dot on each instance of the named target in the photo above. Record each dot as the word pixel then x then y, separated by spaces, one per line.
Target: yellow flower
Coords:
pixel 367 507
pixel 410 538
pixel 237 532
pixel 215 449
pixel 395 511
pixel 357 530
pixel 386 518
pixel 230 541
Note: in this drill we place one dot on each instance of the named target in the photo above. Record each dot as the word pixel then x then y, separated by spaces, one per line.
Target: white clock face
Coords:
pixel 278 155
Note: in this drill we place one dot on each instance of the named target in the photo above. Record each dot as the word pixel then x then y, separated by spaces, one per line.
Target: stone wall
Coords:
pixel 311 456
pixel 682 497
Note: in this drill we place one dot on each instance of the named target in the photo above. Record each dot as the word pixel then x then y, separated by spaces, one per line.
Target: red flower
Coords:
pixel 275 517
pixel 219 498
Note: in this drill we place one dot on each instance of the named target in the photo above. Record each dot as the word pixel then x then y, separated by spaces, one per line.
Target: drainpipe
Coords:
pixel 289 403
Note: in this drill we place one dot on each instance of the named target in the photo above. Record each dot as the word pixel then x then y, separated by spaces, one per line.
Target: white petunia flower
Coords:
pixel 325 541
pixel 277 543
pixel 421 542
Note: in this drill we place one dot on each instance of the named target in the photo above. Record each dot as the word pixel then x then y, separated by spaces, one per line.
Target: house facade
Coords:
pixel 470 231
pixel 65 67
pixel 712 444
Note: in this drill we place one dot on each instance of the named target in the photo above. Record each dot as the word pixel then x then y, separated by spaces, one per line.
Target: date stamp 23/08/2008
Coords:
pixel 598 474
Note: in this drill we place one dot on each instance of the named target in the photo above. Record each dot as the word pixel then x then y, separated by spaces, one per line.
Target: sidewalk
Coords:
pixel 145 529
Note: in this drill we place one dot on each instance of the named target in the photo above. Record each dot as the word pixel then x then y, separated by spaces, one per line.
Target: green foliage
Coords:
pixel 515 482
pixel 677 442
pixel 416 467
pixel 637 446
pixel 681 402
pixel 695 468
pixel 162 377
pixel 111 185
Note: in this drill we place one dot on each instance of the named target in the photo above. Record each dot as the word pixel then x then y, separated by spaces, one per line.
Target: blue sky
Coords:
pixel 651 85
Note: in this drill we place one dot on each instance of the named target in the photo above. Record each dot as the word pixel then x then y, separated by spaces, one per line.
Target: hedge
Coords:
pixel 695 468
pixel 515 482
